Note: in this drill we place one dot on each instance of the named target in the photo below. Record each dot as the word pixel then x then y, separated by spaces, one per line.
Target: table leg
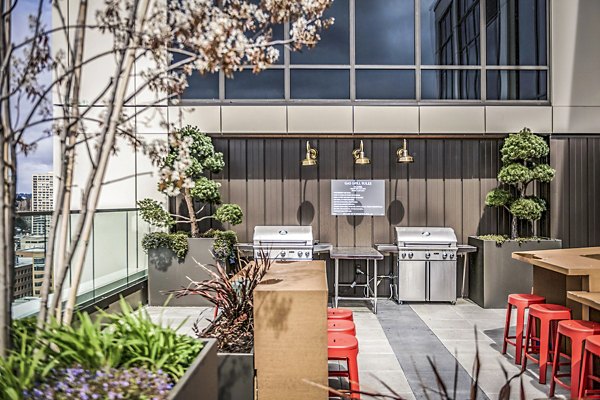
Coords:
pixel 464 277
pixel 336 283
pixel 375 285
pixel 585 312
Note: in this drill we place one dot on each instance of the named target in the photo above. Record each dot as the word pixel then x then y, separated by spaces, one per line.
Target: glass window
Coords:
pixel 202 86
pixel 517 85
pixel 334 46
pixel 450 32
pixel 267 84
pixel 450 84
pixel 385 32
pixel 385 84
pixel 320 84
pixel 516 32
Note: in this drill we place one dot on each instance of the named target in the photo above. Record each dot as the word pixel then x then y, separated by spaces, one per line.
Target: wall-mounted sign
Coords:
pixel 358 197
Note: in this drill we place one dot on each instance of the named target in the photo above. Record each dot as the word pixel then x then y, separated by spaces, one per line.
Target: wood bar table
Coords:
pixel 587 300
pixel 290 331
pixel 555 272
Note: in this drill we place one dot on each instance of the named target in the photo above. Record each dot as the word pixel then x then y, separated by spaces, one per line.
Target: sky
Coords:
pixel 40 159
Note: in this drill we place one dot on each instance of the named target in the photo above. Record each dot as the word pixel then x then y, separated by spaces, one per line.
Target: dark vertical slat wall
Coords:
pixel 574 206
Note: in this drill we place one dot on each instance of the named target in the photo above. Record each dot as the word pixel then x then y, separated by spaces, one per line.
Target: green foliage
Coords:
pixel 527 208
pixel 515 173
pixel 498 197
pixel 153 213
pixel 543 173
pixel 206 191
pixel 523 146
pixel 230 213
pixel 174 241
pixel 202 153
pixel 224 246
pixel 501 239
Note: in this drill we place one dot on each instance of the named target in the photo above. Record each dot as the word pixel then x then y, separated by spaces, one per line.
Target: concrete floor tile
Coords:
pixel 378 362
pixel 373 381
pixel 460 334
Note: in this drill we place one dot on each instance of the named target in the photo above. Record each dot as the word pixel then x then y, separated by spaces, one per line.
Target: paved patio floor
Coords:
pixel 396 342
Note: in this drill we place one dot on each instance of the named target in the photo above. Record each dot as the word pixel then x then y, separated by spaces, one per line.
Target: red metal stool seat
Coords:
pixel 592 348
pixel 577 331
pixel 341 326
pixel 339 313
pixel 341 346
pixel 548 315
pixel 521 302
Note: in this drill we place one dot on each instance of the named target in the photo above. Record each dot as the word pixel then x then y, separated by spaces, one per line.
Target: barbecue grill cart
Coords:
pixel 426 265
pixel 283 243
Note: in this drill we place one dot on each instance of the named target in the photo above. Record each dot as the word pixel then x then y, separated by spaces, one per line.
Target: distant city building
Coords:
pixel 32 242
pixel 38 257
pixel 42 199
pixel 23 278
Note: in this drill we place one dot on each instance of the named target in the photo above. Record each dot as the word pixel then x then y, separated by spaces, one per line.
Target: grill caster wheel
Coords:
pixel 453 303
pixel 400 302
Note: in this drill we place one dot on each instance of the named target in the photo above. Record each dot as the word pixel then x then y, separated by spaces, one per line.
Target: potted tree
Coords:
pixel 173 255
pixel 494 274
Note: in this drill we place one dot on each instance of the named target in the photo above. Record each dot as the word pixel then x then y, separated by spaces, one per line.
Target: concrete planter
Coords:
pixel 200 381
pixel 165 273
pixel 236 376
pixel 494 274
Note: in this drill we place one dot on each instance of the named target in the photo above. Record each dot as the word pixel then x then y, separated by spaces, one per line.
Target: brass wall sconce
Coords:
pixel 311 156
pixel 359 155
pixel 403 156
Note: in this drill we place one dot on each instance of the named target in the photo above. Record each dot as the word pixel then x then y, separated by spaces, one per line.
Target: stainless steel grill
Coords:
pixel 426 267
pixel 285 243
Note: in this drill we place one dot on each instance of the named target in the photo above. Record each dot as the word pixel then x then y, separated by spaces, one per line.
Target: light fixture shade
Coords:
pixel 359 155
pixel 403 156
pixel 311 156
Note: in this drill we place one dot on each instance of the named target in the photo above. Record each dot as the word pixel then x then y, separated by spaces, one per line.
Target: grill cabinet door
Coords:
pixel 412 277
pixel 442 281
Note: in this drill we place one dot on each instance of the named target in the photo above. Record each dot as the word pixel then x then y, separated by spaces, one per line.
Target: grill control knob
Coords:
pixel 444 255
pixel 427 255
pixel 307 253
pixel 410 255
pixel 403 255
pixel 282 254
pixel 451 256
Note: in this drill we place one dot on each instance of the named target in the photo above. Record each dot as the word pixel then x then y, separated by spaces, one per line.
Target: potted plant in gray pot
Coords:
pixel 173 254
pixel 233 323
pixel 494 274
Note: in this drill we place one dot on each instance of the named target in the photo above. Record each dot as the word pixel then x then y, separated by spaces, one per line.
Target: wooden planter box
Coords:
pixel 236 376
pixel 201 379
pixel 494 274
pixel 165 272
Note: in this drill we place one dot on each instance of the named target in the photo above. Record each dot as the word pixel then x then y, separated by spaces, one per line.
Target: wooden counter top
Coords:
pixel 576 261
pixel 294 276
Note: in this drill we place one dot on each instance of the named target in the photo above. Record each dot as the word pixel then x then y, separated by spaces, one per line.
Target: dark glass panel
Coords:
pixel 385 32
pixel 516 32
pixel 267 84
pixel 385 84
pixel 202 86
pixel 319 84
pixel 450 84
pixel 334 46
pixel 517 85
pixel 450 32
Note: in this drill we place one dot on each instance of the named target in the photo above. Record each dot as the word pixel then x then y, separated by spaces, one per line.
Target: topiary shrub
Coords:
pixel 522 155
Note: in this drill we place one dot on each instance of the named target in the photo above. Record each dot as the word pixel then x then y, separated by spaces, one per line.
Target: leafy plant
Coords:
pixel 223 249
pixel 500 239
pixel 234 298
pixel 522 153
pixel 177 242
pixel 183 167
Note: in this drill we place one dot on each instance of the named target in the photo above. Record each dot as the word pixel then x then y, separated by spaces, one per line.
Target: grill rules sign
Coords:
pixel 358 197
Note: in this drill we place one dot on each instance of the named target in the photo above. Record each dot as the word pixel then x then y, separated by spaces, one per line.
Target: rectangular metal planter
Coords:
pixel 165 272
pixel 200 381
pixel 236 376
pixel 494 274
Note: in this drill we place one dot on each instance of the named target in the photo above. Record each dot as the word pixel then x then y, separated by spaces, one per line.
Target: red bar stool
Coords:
pixel 521 302
pixel 548 315
pixel 592 348
pixel 577 331
pixel 341 326
pixel 339 313
pixel 342 346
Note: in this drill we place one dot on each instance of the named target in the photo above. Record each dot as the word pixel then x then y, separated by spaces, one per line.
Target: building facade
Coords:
pixel 23 278
pixel 37 257
pixel 452 76
pixel 42 200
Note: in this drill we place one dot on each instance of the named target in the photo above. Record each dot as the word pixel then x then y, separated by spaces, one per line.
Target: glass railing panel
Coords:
pixel 110 251
pixel 86 285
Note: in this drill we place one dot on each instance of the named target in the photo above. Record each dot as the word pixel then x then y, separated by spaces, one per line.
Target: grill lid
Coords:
pixel 281 234
pixel 425 236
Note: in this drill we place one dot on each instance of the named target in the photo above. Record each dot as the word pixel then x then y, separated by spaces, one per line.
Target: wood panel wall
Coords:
pixel 446 186
pixel 575 192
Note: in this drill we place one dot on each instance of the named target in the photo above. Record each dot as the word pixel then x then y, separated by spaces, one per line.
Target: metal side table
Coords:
pixel 463 251
pixel 356 253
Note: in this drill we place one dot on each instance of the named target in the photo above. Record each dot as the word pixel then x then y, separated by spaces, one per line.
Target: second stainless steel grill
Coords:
pixel 284 243
pixel 426 267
